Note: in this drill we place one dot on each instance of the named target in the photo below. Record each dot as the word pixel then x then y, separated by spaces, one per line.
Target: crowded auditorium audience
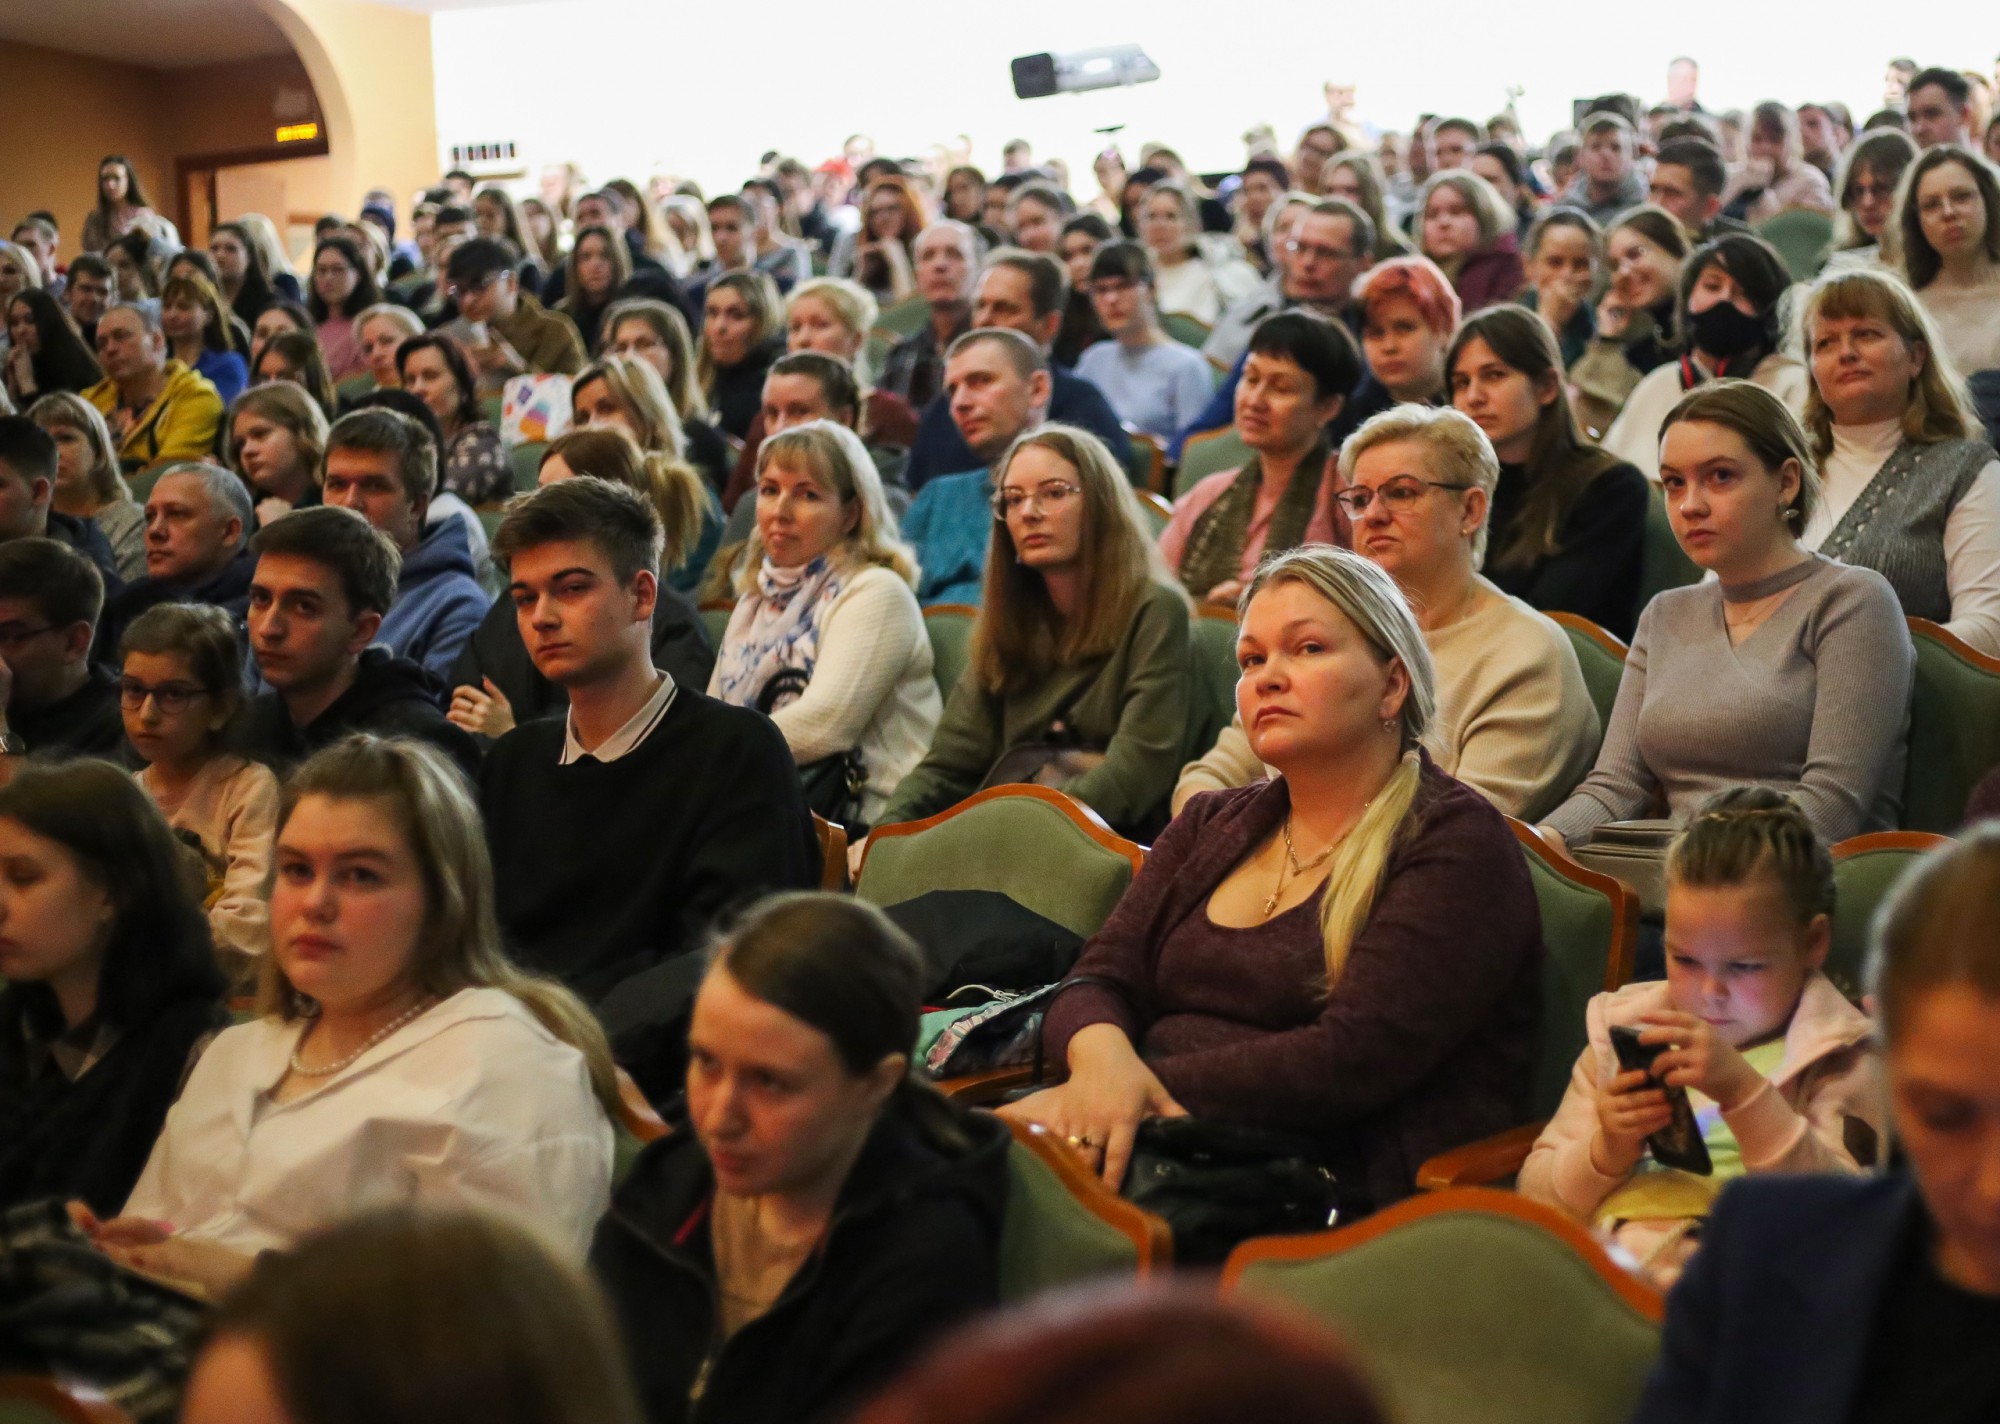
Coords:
pixel 490 680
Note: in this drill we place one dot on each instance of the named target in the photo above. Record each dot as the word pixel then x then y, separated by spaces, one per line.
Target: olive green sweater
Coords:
pixel 1132 703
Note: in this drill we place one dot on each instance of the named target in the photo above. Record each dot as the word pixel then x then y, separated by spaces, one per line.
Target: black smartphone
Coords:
pixel 1680 1143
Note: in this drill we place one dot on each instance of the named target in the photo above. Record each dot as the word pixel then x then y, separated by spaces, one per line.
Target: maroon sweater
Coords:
pixel 1426 1043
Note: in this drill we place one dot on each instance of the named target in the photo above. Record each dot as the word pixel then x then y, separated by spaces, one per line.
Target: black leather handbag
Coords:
pixel 833 784
pixel 1217 1184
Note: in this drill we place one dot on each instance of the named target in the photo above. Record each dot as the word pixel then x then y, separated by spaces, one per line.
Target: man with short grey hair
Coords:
pixel 947 262
pixel 159 409
pixel 198 526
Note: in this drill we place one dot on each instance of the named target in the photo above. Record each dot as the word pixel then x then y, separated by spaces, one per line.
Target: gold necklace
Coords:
pixel 1291 861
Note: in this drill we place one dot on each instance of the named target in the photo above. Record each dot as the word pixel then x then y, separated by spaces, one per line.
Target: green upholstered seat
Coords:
pixel 1581 926
pixel 1207 455
pixel 1801 236
pixel 1466 1316
pixel 1212 694
pixel 1018 842
pixel 1603 668
pixel 1157 512
pixel 527 460
pixel 1146 458
pixel 715 618
pixel 1188 330
pixel 950 629
pixel 1049 1238
pixel 1861 881
pixel 1954 729
pixel 1666 564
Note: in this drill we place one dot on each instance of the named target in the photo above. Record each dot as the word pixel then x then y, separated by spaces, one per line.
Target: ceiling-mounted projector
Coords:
pixel 1036 76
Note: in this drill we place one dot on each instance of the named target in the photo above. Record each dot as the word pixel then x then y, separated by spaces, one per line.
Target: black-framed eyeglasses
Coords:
pixel 171 698
pixel 1049 495
pixel 1398 495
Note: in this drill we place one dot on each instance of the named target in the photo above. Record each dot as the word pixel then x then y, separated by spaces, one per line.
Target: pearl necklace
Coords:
pixel 330 1069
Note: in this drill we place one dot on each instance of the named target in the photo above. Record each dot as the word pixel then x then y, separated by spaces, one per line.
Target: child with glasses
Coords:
pixel 180 688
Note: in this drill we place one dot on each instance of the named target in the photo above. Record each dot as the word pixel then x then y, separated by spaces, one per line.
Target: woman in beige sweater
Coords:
pixel 1515 720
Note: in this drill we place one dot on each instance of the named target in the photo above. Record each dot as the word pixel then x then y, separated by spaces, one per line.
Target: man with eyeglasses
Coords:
pixel 198 524
pixel 1328 249
pixel 56 703
pixel 1515 721
pixel 505 331
pixel 159 409
pixel 997 383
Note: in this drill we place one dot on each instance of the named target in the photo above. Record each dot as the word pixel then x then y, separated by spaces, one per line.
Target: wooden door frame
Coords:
pixel 187 165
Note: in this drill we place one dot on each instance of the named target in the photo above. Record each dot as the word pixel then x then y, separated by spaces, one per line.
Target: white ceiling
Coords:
pixel 165 34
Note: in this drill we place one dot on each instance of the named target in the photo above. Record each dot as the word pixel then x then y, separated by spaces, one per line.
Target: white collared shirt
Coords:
pixel 627 738
pixel 472 1104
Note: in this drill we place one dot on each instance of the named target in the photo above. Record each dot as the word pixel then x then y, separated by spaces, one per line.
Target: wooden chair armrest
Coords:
pixel 981 1090
pixel 1481 1163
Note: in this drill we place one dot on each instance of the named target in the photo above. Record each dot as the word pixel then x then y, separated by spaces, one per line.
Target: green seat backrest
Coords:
pixel 1201 458
pixel 1139 462
pixel 493 408
pixel 1469 1316
pixel 1212 694
pixel 1188 330
pixel 1954 736
pixel 1156 518
pixel 715 618
pixel 1666 564
pixel 1860 882
pixel 951 639
pixel 1578 926
pixel 21 1411
pixel 903 318
pixel 1603 670
pixel 1021 846
pixel 1801 237
pixel 527 460
pixel 1049 1238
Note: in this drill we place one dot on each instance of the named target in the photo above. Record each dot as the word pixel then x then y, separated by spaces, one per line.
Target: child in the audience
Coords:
pixel 818 1214
pixel 1777 1064
pixel 398 1056
pixel 182 686
pixel 110 985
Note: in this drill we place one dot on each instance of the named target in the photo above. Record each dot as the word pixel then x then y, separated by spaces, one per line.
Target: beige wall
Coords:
pixel 365 70
pixel 62 113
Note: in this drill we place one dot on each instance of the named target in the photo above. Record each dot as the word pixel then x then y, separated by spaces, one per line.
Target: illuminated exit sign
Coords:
pixel 298 133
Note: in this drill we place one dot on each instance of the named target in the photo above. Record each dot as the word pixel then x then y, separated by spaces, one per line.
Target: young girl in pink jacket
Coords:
pixel 1778 1066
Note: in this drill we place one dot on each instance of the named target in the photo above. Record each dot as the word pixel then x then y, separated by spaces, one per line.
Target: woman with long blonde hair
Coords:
pixel 1294 954
pixel 826 636
pixel 1081 649
pixel 397 1056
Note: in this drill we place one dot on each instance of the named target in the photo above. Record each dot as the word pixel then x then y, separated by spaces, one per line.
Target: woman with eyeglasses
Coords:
pixel 1153 382
pixel 1948 245
pixel 1865 187
pixel 1514 718
pixel 181 686
pixel 1078 671
pixel 1296 376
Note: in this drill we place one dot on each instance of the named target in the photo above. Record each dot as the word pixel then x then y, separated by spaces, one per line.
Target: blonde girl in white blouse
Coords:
pixel 827 635
pixel 397 1057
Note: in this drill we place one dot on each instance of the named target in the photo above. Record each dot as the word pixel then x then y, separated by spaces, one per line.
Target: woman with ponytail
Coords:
pixel 818 1214
pixel 1296 954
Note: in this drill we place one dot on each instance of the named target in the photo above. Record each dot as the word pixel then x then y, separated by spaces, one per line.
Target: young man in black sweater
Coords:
pixel 52 701
pixel 621 833
pixel 324 578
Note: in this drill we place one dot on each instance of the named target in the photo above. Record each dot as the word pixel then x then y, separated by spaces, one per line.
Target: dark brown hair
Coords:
pixel 1751 830
pixel 409 1316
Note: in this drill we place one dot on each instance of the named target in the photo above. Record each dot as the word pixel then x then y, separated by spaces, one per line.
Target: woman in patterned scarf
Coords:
pixel 1295 380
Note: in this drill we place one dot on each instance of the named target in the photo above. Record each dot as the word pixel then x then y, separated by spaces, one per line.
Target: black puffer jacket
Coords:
pixel 913 1248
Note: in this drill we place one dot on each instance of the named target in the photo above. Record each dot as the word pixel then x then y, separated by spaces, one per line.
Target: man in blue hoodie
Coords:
pixel 383 465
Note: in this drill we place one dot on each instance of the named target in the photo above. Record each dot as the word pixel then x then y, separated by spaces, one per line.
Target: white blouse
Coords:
pixel 472 1104
pixel 1971 530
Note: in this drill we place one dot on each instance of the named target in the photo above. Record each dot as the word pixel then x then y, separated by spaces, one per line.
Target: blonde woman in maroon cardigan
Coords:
pixel 1350 950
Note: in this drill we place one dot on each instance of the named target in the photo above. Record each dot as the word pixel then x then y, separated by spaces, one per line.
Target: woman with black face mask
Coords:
pixel 1729 326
